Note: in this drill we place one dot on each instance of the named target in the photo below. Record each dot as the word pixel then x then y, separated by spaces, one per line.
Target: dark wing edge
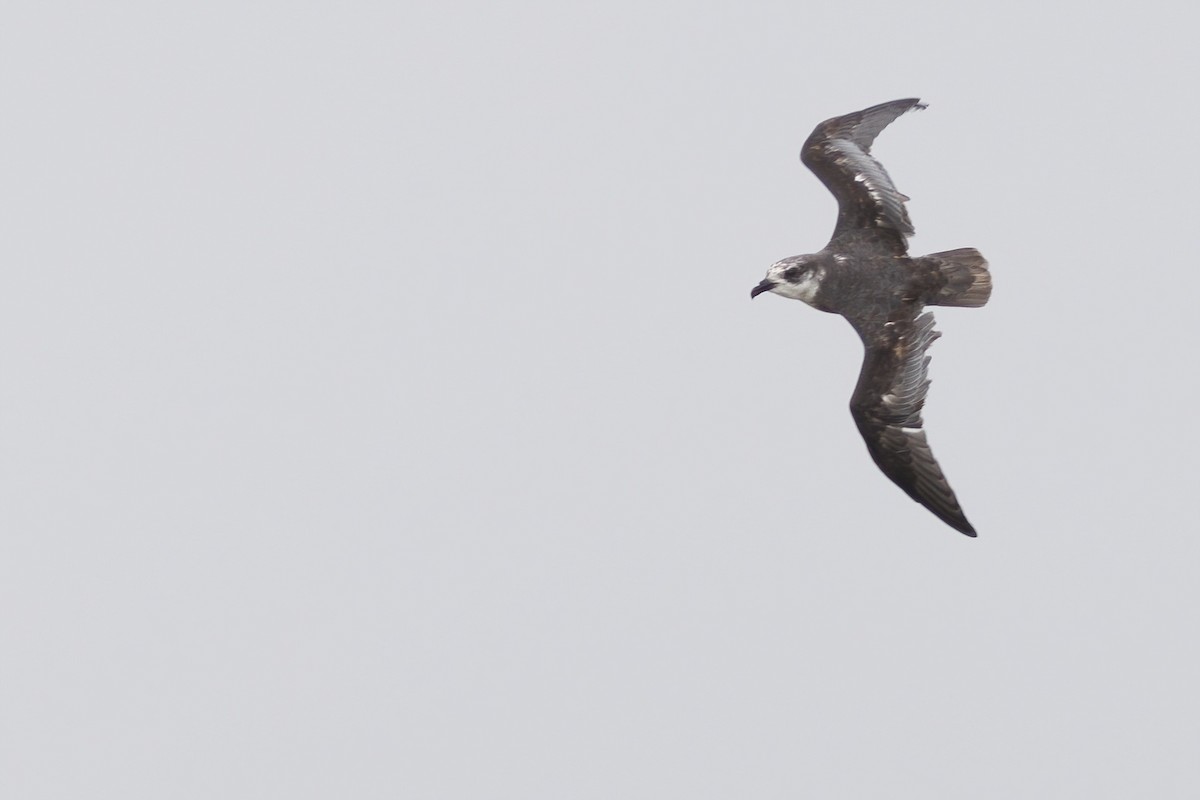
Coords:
pixel 839 153
pixel 887 405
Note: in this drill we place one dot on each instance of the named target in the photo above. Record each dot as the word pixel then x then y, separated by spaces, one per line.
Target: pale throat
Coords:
pixel 805 290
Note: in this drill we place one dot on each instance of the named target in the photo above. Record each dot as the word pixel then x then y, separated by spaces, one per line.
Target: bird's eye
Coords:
pixel 791 274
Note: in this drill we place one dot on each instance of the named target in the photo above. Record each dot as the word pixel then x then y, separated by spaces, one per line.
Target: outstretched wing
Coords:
pixel 839 152
pixel 887 407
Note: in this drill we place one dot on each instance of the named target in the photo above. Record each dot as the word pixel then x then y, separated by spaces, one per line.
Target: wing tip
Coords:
pixel 951 514
pixel 908 104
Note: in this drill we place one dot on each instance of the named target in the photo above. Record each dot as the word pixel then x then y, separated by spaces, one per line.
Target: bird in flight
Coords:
pixel 866 274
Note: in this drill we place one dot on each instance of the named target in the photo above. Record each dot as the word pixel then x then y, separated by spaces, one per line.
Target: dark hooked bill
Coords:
pixel 765 286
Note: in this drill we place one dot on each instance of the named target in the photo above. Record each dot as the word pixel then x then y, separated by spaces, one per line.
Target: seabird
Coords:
pixel 866 275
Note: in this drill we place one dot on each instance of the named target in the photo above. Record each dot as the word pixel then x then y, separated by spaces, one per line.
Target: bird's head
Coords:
pixel 797 277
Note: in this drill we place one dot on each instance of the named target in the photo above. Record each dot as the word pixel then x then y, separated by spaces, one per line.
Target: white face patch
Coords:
pixel 805 290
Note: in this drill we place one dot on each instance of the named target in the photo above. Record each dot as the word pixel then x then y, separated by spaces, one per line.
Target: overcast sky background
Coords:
pixel 383 413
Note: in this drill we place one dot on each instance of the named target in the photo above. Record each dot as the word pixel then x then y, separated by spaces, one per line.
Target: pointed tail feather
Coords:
pixel 968 282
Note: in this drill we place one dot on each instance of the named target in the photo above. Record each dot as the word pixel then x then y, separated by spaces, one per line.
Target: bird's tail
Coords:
pixel 968 282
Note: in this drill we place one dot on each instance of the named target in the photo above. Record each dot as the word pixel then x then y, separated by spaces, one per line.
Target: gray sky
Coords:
pixel 383 413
